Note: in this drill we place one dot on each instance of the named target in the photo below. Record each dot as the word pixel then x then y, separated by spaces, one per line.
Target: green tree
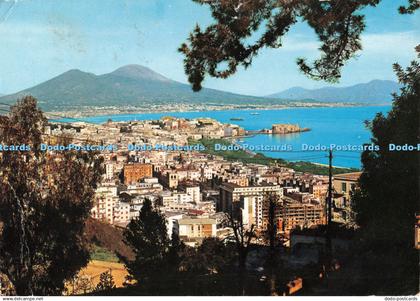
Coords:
pixel 176 249
pixel 211 257
pixel 242 236
pixel 232 41
pixel 272 239
pixel 82 285
pixel 216 255
pixel 388 199
pixel 271 201
pixel 106 282
pixel 147 236
pixel 45 200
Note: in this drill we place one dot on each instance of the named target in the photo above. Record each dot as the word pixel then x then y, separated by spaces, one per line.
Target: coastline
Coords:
pixel 321 121
pixel 108 111
pixel 333 166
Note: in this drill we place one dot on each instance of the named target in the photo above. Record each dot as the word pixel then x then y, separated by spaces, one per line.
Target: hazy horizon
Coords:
pixel 326 85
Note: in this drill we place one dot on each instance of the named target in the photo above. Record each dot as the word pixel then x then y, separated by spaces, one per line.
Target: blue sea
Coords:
pixel 342 126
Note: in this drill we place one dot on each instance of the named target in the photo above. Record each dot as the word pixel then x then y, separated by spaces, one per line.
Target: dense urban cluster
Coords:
pixel 195 190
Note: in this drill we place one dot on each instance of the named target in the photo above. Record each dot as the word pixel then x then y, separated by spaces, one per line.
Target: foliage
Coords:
pixel 388 199
pixel 106 282
pixel 163 266
pixel 271 202
pixel 82 284
pixel 232 40
pixel 102 254
pixel 105 240
pixel 46 199
pixel 242 236
pixel 317 169
pixel 213 256
pixel 6 288
pixel 147 236
pixel 413 5
pixel 175 253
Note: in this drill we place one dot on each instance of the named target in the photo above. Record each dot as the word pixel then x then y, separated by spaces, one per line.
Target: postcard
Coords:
pixel 209 148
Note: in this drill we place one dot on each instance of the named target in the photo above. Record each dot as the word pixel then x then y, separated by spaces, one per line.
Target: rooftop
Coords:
pixel 351 176
pixel 201 221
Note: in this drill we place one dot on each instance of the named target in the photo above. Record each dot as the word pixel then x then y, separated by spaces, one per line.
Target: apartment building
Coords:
pixel 106 197
pixel 231 194
pixel 109 171
pixel 192 230
pixel 319 190
pixel 121 213
pixel 344 185
pixel 134 172
pixel 295 214
pixel 194 192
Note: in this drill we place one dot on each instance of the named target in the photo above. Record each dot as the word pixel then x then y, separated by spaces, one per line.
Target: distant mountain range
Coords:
pixel 131 85
pixel 373 92
pixel 140 87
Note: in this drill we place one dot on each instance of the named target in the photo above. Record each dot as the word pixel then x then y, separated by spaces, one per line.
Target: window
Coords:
pixel 344 187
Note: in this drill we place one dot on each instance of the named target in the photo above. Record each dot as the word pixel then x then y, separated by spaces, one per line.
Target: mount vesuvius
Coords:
pixel 131 85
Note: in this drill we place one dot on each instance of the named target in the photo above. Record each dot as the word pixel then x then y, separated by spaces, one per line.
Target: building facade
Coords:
pixel 344 185
pixel 137 171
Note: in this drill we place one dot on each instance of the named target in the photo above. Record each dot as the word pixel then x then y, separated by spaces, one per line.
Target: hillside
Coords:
pixel 373 92
pixel 131 85
pixel 105 238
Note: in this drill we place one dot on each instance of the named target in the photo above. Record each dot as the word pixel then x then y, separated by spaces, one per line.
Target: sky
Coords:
pixel 40 39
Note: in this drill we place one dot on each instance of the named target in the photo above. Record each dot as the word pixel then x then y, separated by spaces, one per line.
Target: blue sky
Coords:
pixel 40 39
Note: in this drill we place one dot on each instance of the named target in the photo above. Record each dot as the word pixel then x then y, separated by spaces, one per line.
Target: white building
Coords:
pixel 172 218
pixel 194 192
pixel 193 230
pixel 183 198
pixel 207 172
pixel 109 171
pixel 105 200
pixel 122 213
